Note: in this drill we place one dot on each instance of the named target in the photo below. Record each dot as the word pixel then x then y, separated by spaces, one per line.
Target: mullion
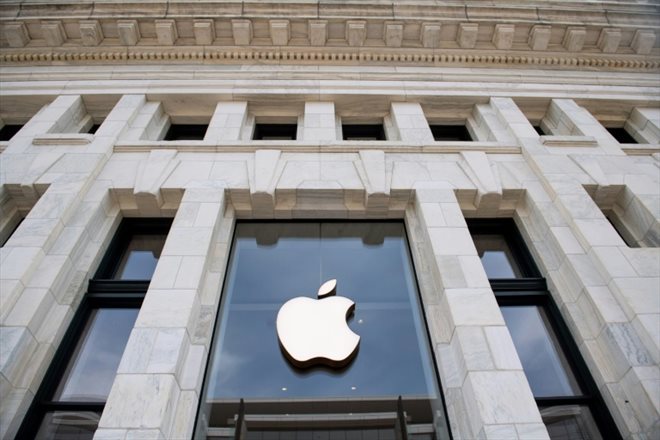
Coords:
pixel 564 400
pixel 54 405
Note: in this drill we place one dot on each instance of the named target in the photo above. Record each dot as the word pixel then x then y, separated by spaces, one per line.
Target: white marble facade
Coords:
pixel 72 189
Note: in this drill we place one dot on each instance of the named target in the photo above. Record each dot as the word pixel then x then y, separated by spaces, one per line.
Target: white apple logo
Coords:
pixel 314 331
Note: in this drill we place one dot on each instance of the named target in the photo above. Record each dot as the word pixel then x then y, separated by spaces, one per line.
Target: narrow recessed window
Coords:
pixel 8 131
pixel 568 399
pixel 621 135
pixel 9 228
pixel 71 399
pixel 539 130
pixel 93 128
pixel 275 132
pixel 363 132
pixel 450 133
pixel 631 218
pixel 186 132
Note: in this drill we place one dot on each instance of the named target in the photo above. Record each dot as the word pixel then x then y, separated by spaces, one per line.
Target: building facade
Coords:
pixel 482 179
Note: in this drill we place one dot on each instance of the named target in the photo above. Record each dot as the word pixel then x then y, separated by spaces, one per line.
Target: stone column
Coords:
pixel 227 122
pixel 486 391
pixel 158 384
pixel 320 122
pixel 411 123
pixel 46 263
pixel 579 122
pixel 607 292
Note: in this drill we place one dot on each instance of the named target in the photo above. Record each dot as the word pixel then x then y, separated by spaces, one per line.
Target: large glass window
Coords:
pixel 69 403
pixel 568 399
pixel 272 263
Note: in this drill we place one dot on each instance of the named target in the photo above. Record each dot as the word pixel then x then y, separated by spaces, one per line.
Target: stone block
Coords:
pixel 393 33
pixel 167 308
pixel 166 32
pixel 430 35
pixel 467 35
pixel 373 162
pixel 16 34
pixel 91 32
pixel 501 346
pixel 643 41
pixel 153 400
pixel 503 36
pixel 474 349
pixel 356 32
pixel 473 307
pixel 318 32
pixel 204 31
pixel 129 32
pixel 242 31
pixel 184 416
pixel 503 396
pixel 609 40
pixel 53 33
pixel 280 32
pixel 574 38
pixel 539 37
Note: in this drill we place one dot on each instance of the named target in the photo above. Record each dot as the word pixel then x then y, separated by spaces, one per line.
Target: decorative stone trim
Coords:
pixel 333 56
pixel 91 33
pixel 16 34
pixel 315 147
pixel 63 139
pixel 356 31
pixel 569 141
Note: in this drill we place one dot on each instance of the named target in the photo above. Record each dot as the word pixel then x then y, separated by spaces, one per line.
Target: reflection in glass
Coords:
pixel 139 260
pixel 92 368
pixel 68 425
pixel 543 361
pixel 496 256
pixel 272 263
pixel 570 422
pixel 326 434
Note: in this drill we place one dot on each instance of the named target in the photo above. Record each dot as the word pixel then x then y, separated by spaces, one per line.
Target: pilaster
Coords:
pixel 486 391
pixel 158 383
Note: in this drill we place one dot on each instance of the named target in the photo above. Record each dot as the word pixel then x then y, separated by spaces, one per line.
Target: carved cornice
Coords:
pixel 605 35
pixel 192 55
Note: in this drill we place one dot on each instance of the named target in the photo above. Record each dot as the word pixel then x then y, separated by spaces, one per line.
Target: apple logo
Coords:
pixel 314 331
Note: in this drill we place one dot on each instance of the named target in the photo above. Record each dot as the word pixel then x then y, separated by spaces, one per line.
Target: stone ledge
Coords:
pixel 314 147
pixel 569 141
pixel 63 139
pixel 640 149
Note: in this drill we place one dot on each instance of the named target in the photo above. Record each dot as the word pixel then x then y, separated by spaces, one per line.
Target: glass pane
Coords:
pixel 570 422
pixel 323 434
pixel 274 263
pixel 92 368
pixel 68 425
pixel 542 359
pixel 496 256
pixel 139 260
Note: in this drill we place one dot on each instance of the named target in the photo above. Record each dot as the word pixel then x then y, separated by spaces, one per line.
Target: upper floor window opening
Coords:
pixel 186 132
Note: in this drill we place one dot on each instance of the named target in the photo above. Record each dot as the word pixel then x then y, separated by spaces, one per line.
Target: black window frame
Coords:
pixel 103 292
pixel 265 130
pixel 450 133
pixel 353 132
pixel 621 135
pixel 8 131
pixel 186 132
pixel 531 290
